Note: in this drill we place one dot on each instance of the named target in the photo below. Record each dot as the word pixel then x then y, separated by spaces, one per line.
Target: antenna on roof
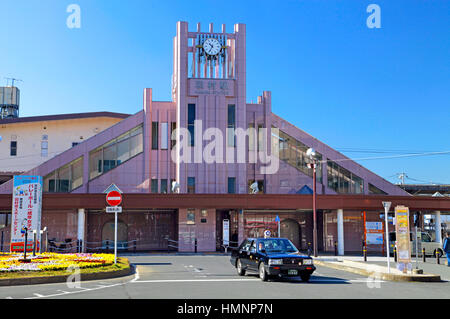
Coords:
pixel 12 81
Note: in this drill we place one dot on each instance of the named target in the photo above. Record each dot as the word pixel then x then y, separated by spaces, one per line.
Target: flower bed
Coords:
pixel 11 262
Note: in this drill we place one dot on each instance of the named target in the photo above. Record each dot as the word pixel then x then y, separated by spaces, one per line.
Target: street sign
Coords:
pixel 114 198
pixel 267 233
pixel 113 209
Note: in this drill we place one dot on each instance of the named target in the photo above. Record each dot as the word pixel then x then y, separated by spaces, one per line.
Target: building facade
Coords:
pixel 208 141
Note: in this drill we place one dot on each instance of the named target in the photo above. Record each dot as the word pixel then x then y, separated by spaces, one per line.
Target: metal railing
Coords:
pixel 171 244
pixel 229 245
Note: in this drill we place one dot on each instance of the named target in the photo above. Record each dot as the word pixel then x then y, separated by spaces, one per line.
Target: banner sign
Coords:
pixel 226 232
pixel 26 211
pixel 402 236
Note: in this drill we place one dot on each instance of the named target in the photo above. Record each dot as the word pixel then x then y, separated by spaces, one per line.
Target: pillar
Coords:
pixel 340 231
pixel 81 229
pixel 438 226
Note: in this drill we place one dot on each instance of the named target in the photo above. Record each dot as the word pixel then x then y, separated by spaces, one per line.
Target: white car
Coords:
pixel 431 248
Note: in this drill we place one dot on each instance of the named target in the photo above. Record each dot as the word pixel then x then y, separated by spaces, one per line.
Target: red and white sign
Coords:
pixel 114 198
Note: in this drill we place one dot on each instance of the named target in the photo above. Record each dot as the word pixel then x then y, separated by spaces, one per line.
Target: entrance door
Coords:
pixel 290 229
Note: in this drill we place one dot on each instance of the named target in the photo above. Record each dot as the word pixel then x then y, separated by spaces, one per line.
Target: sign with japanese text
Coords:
pixel 211 86
pixel 402 236
pixel 26 211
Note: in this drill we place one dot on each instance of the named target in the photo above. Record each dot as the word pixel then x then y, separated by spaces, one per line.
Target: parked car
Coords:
pixel 271 257
pixel 431 247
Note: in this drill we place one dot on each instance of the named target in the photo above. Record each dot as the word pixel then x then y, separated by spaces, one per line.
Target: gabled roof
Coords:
pixel 60 117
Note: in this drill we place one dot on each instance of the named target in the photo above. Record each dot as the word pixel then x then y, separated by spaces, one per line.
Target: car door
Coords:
pixel 253 257
pixel 244 253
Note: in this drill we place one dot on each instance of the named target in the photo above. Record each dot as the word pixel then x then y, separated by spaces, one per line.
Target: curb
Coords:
pixel 63 278
pixel 382 276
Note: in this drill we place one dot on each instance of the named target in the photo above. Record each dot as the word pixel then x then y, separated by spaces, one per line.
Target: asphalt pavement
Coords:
pixel 213 277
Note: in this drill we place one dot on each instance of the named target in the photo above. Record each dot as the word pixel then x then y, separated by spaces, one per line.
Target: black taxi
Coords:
pixel 271 257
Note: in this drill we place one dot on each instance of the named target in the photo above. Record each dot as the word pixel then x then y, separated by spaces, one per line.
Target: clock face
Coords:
pixel 212 46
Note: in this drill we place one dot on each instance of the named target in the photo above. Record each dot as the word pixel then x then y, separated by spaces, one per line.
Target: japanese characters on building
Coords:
pixel 26 212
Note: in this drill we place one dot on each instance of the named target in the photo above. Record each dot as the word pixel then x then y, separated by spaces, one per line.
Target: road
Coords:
pixel 212 276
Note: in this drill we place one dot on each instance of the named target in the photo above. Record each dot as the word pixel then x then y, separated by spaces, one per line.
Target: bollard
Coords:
pixel 423 255
pixel 134 246
pixel 107 245
pixel 309 249
pixel 395 253
pixel 195 245
pixel 365 253
pixel 438 258
pixel 335 248
pixel 34 243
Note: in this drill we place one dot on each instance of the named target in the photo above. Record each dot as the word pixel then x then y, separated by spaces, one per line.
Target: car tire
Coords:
pixel 438 251
pixel 262 272
pixel 305 277
pixel 239 268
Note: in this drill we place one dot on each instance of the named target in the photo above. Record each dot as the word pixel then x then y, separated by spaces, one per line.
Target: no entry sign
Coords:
pixel 114 198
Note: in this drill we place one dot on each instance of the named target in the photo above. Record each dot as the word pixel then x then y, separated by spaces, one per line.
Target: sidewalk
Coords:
pixel 377 267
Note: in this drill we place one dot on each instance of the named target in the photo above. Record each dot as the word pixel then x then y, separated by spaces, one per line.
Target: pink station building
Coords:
pixel 186 197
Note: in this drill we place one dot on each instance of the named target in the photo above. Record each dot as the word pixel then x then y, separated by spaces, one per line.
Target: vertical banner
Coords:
pixel 402 236
pixel 226 232
pixel 26 211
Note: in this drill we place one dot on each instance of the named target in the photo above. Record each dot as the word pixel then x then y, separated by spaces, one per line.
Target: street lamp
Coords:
pixel 311 153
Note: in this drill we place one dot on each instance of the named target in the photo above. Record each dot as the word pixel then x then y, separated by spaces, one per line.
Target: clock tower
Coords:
pixel 209 89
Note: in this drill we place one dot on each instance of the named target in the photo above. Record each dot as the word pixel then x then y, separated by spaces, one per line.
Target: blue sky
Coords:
pixel 354 88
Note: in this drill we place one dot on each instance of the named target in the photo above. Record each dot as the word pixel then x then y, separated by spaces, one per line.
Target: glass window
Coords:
pixel 231 185
pixel 191 185
pixel 154 186
pixel 261 139
pixel 44 148
pixel 260 184
pixel 190 217
pixel 251 136
pixel 164 186
pixel 173 127
pixel 373 190
pixel 342 180
pixel 164 136
pixel 191 119
pixel 154 135
pixel 231 125
pixel 13 148
pixel 66 178
pixel 115 152
pixel 293 152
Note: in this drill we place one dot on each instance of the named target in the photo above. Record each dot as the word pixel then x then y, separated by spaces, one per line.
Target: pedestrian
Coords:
pixel 446 247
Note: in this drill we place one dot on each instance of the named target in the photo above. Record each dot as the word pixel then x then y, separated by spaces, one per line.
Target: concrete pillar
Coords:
pixel 340 231
pixel 81 229
pixel 438 226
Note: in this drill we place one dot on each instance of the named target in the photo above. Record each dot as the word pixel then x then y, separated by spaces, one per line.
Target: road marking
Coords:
pixel 136 276
pixel 74 292
pixel 192 280
pixel 38 295
pixel 9 297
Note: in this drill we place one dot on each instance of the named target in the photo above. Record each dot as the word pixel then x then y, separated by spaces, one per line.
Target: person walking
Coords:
pixel 446 247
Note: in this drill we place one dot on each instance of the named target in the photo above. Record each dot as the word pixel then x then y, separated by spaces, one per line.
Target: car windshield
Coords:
pixel 276 245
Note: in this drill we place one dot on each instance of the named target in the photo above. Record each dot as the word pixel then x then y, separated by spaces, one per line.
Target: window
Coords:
pixel 293 152
pixel 373 190
pixel 191 119
pixel 154 135
pixel 164 186
pixel 190 217
pixel 251 136
pixel 173 140
pixel 342 180
pixel 171 184
pixel 44 148
pixel 191 185
pixel 164 136
pixel 154 186
pixel 231 125
pixel 13 148
pixel 75 144
pixel 260 184
pixel 261 138
pixel 115 152
pixel 231 185
pixel 66 178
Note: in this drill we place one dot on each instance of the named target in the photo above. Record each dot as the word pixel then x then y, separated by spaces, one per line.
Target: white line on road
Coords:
pixel 192 280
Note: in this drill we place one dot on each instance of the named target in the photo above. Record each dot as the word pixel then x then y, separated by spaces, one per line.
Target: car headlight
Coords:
pixel 275 261
pixel 307 262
